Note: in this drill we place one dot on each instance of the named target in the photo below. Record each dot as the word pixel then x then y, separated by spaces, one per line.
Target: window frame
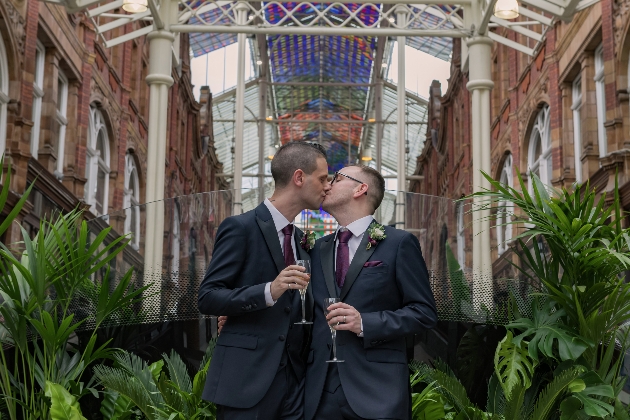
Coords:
pixel 576 107
pixel 61 116
pixel 541 132
pixel 131 200
pixel 38 97
pixel 505 208
pixel 461 235
pixel 600 100
pixel 96 162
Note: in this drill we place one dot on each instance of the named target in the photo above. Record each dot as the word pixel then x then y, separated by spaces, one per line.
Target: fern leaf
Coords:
pixel 556 388
pixel 452 390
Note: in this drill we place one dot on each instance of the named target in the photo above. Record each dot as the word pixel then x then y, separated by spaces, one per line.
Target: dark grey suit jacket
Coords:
pixel 247 255
pixel 395 301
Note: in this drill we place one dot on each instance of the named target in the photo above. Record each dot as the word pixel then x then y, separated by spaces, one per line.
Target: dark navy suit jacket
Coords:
pixel 395 301
pixel 247 255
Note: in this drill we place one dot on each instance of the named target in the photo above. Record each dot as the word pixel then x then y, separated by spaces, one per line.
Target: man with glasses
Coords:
pixel 380 277
pixel 257 370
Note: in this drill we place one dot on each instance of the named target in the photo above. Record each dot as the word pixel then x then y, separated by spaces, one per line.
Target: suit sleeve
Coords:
pixel 418 310
pixel 219 293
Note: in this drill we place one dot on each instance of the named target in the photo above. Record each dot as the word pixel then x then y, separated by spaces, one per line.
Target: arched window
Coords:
pixel 4 95
pixel 504 210
pixel 175 244
pixel 539 156
pixel 461 239
pixel 97 169
pixel 132 201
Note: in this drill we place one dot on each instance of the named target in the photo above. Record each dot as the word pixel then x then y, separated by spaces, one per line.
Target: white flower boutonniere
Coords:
pixel 376 233
pixel 308 240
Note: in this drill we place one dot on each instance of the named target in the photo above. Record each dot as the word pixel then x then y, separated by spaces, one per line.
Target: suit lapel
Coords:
pixel 326 257
pixel 360 257
pixel 268 229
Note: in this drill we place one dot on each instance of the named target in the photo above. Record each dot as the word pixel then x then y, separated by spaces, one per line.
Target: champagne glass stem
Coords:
pixel 334 339
pixel 303 308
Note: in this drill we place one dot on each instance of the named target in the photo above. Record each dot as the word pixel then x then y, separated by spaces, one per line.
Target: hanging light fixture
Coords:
pixel 506 9
pixel 135 6
pixel 366 156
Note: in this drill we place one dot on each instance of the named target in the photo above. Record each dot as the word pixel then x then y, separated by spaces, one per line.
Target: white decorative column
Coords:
pixel 480 85
pixel 241 18
pixel 401 19
pixel 159 81
pixel 262 112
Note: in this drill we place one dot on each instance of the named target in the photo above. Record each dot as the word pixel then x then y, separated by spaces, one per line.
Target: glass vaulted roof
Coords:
pixel 321 89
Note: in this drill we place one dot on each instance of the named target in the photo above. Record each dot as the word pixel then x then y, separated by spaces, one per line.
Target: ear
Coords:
pixel 298 177
pixel 363 189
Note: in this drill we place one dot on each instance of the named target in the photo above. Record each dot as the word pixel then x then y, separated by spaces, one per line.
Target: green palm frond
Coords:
pixel 143 393
pixel 452 390
pixel 177 371
pixel 514 404
pixel 549 397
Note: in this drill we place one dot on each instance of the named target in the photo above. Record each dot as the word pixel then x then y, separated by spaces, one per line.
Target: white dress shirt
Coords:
pixel 358 228
pixel 280 222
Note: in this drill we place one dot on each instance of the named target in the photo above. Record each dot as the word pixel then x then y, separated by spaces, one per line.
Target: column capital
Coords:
pixel 480 84
pixel 158 79
pixel 161 34
pixel 479 40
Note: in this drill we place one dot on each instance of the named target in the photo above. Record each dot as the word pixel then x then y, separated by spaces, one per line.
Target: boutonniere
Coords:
pixel 376 233
pixel 308 240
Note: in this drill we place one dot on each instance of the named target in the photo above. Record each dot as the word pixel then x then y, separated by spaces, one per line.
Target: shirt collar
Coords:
pixel 358 227
pixel 278 218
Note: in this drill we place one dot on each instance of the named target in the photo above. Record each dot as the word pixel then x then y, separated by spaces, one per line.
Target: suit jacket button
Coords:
pixel 287 309
pixel 281 338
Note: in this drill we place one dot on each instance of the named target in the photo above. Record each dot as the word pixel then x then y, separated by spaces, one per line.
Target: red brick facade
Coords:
pixel 523 86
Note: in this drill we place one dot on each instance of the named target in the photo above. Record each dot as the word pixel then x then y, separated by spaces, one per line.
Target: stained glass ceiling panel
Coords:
pixel 203 43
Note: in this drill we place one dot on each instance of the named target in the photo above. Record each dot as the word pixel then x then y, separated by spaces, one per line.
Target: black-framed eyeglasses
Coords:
pixel 347 176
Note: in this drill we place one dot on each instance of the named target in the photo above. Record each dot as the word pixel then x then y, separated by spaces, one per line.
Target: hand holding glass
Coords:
pixel 307 269
pixel 327 303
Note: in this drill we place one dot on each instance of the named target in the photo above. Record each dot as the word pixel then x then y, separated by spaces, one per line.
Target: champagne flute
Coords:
pixel 327 303
pixel 307 269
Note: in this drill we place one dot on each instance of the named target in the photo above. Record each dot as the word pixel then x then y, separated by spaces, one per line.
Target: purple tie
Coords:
pixel 343 257
pixel 289 259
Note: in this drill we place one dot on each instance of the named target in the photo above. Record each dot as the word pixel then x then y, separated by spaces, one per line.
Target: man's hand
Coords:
pixel 220 323
pixel 292 277
pixel 348 318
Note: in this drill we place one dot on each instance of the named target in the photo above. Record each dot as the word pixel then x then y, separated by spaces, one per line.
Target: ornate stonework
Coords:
pixel 17 24
pixel 621 8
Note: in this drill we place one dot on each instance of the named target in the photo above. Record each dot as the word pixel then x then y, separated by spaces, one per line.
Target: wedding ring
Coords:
pixel 344 319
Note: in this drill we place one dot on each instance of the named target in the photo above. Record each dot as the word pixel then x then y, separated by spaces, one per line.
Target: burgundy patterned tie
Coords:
pixel 343 257
pixel 289 259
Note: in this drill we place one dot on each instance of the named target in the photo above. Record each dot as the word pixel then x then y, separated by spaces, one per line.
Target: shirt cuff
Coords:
pixel 269 300
pixel 361 333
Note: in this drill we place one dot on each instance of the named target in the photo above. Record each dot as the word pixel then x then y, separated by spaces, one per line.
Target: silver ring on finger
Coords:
pixel 289 285
pixel 344 319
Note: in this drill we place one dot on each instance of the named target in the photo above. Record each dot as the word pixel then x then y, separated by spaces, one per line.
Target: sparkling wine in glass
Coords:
pixel 307 269
pixel 327 303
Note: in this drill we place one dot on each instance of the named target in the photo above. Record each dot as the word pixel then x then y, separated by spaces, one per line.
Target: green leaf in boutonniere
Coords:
pixel 308 240
pixel 376 233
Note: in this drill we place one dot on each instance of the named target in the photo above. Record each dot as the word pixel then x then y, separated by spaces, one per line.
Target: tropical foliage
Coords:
pixel 47 295
pixel 160 391
pixel 561 358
